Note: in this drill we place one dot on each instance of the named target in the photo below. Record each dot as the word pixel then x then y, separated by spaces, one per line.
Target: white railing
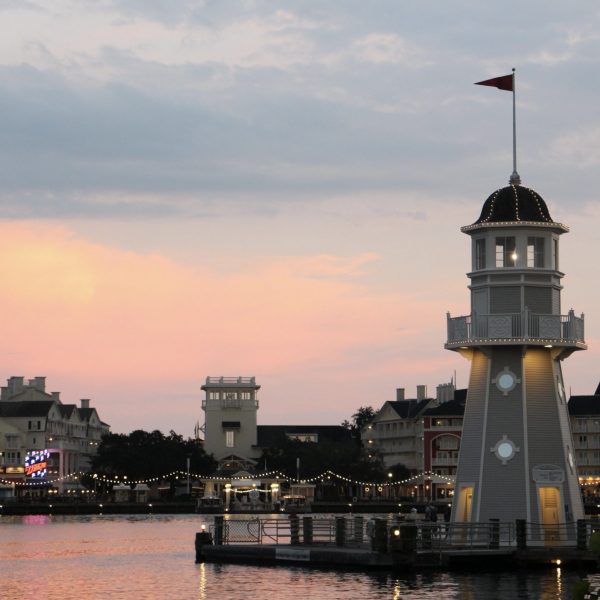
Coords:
pixel 524 325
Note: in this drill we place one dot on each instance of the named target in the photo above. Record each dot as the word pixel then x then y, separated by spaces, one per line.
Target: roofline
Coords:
pixel 560 227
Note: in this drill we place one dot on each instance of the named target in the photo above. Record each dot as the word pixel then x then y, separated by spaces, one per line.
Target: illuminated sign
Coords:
pixel 36 463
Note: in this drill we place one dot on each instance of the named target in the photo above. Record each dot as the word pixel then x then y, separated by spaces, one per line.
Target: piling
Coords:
pixel 581 535
pixel 219 528
pixel 307 530
pixel 380 536
pixel 294 529
pixel 203 538
pixel 521 530
pixel 358 529
pixel 340 531
pixel 494 534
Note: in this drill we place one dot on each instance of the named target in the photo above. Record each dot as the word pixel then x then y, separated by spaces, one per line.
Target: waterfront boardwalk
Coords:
pixel 392 544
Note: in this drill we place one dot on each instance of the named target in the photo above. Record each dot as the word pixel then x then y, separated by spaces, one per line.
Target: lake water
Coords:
pixel 152 557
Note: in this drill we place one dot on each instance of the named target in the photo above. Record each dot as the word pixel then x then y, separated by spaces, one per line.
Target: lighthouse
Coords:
pixel 516 458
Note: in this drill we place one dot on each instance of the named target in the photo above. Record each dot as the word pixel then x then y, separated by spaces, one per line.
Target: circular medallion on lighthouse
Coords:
pixel 504 449
pixel 506 381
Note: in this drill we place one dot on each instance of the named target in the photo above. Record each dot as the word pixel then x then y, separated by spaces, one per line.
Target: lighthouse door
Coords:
pixel 550 506
pixel 465 504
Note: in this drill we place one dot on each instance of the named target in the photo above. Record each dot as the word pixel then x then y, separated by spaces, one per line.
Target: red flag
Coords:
pixel 506 82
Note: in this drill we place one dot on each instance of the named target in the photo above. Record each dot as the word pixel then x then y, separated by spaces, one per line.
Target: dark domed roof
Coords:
pixel 514 203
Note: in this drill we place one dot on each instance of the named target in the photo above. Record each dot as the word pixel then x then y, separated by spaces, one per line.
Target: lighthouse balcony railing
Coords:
pixel 524 325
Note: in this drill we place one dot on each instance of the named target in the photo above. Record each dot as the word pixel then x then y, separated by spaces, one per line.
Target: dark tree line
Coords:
pixel 142 455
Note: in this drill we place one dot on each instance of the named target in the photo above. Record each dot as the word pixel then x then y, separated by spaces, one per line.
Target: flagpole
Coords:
pixel 515 179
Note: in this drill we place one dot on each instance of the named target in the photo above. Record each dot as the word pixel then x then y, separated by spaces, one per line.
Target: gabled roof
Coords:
pixel 584 405
pixel 28 408
pixel 409 409
pixel 453 408
pixel 67 410
pixel 269 435
pixel 86 413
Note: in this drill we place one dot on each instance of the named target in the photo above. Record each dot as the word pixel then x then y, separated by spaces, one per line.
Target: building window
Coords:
pixel 213 395
pixel 480 254
pixel 555 254
pixel 230 439
pixel 535 252
pixel 29 425
pixel 506 252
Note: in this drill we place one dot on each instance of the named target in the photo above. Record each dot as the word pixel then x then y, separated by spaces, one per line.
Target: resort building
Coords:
pixel 396 431
pixel 584 412
pixel 33 421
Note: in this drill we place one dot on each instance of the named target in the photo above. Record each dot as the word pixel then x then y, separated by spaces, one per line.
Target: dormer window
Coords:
pixel 506 252
pixel 480 253
pixel 535 252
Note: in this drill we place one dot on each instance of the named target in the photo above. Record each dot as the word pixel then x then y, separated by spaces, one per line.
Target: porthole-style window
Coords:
pixel 505 449
pixel 506 381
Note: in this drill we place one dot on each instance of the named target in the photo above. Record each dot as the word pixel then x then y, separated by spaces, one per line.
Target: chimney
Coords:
pixel 444 392
pixel 399 393
pixel 421 392
pixel 39 383
pixel 15 385
pixel 85 403
pixel 55 396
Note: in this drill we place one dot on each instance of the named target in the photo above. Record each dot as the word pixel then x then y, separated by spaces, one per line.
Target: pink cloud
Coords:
pixel 127 325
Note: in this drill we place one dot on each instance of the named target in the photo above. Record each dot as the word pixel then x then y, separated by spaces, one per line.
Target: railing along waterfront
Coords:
pixel 524 325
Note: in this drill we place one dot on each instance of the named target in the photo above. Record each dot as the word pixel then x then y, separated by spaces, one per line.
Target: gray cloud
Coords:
pixel 344 117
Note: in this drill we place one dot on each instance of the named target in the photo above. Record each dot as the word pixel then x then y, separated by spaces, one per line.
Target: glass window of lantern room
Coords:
pixel 480 254
pixel 506 252
pixel 535 252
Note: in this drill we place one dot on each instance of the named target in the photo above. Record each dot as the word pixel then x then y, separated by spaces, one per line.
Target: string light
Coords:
pixel 271 474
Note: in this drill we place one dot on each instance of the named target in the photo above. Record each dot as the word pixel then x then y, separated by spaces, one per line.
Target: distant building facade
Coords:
pixel 231 432
pixel 584 413
pixel 230 406
pixel 396 431
pixel 32 419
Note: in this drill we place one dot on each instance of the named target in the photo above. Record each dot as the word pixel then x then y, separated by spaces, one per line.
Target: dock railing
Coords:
pixel 523 325
pixel 395 534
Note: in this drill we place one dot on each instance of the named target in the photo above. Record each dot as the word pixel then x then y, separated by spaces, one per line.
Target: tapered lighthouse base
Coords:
pixel 516 457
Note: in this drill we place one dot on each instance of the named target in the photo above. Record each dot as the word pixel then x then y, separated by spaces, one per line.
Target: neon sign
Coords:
pixel 36 463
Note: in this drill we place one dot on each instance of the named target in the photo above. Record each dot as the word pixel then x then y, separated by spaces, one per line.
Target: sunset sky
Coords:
pixel 193 188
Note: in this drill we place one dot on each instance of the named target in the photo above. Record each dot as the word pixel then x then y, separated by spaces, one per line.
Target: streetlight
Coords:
pixel 188 475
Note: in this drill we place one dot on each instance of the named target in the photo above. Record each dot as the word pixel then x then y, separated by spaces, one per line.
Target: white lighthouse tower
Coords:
pixel 516 457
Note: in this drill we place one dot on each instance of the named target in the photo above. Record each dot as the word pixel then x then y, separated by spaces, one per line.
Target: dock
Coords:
pixel 390 544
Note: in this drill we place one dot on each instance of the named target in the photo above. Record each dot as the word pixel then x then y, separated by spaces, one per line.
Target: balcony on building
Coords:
pixel 529 328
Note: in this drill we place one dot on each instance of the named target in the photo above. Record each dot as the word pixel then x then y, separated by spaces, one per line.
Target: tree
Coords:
pixel 142 455
pixel 340 456
pixel 360 419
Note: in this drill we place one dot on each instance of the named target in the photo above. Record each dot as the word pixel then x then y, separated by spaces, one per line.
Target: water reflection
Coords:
pixel 149 557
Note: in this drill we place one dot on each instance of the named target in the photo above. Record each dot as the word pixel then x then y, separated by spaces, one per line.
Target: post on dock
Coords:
pixel 408 536
pixel 294 529
pixel 340 531
pixel 380 536
pixel 219 528
pixel 521 529
pixel 358 529
pixel 494 534
pixel 307 530
pixel 203 538
pixel 581 534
